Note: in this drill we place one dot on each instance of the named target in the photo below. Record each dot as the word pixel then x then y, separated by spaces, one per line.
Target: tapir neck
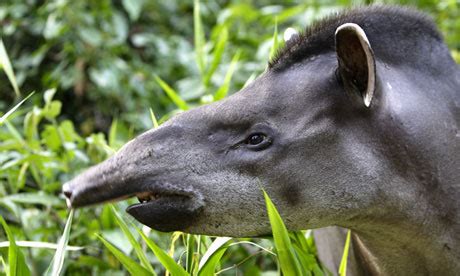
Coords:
pixel 385 256
pixel 418 245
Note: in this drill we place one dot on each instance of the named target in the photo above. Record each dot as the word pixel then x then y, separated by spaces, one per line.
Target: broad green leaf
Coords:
pixel 55 266
pixel 16 261
pixel 132 266
pixel 223 90
pixel 136 245
pixel 6 65
pixel 198 36
pixel 166 260
pixel 7 114
pixel 173 95
pixel 285 251
pixel 211 258
pixel 343 262
pixel 154 119
pixel 217 55
pixel 52 110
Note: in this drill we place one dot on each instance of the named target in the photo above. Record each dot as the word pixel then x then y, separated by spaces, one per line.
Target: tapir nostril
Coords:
pixel 66 190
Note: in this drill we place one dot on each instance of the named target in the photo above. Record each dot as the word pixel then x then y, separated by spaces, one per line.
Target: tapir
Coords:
pixel 354 124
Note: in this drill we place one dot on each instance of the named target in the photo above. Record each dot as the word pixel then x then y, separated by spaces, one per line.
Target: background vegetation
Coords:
pixel 98 69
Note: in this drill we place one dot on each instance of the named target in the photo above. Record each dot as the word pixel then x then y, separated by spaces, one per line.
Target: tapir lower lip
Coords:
pixel 168 213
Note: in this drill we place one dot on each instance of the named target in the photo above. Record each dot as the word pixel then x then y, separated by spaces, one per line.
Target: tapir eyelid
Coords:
pixel 263 144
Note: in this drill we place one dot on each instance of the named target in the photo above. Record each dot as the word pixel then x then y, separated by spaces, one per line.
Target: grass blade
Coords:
pixel 56 265
pixel 16 260
pixel 190 251
pixel 137 247
pixel 198 36
pixel 6 65
pixel 166 260
pixel 343 262
pixel 113 133
pixel 275 43
pixel 211 258
pixel 154 119
pixel 217 55
pixel 3 263
pixel 133 267
pixel 287 259
pixel 34 198
pixel 173 95
pixel 43 245
pixel 7 114
pixel 223 90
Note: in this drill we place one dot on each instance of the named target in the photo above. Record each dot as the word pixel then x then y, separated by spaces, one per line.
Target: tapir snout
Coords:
pixel 141 169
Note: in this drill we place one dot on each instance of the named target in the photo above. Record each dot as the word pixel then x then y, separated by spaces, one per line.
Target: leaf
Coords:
pixel 48 96
pixel 343 262
pixel 7 114
pixel 133 8
pixel 285 251
pixel 36 244
pixel 198 36
pixel 166 260
pixel 154 119
pixel 137 248
pixel 211 258
pixel 133 267
pixel 34 198
pixel 173 95
pixel 217 55
pixel 190 251
pixel 6 65
pixel 223 90
pixel 16 261
pixel 55 267
pixel 275 43
pixel 113 133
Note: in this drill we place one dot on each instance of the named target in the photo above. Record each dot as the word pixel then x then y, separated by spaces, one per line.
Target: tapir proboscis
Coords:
pixel 354 124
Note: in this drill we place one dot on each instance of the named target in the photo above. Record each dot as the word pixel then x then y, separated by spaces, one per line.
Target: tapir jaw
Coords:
pixel 163 205
pixel 168 212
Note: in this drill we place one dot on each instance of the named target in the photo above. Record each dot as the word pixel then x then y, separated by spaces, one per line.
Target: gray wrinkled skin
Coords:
pixel 389 172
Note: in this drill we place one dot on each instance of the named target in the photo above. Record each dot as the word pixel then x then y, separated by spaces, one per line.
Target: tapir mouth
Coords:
pixel 166 210
pixel 163 205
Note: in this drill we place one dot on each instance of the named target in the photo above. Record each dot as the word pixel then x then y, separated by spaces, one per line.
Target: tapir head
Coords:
pixel 295 132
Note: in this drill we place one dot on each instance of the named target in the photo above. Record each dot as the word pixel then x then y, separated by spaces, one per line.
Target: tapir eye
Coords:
pixel 257 141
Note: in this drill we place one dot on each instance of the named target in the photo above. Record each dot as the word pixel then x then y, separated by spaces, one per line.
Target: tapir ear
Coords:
pixel 356 61
pixel 290 34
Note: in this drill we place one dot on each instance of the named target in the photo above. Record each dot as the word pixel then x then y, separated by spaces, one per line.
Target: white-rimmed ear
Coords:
pixel 356 61
pixel 289 34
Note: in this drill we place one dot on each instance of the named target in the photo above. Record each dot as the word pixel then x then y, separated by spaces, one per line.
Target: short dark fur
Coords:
pixel 396 34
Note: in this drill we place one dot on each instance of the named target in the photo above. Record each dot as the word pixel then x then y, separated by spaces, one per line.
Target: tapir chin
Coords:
pixel 353 124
